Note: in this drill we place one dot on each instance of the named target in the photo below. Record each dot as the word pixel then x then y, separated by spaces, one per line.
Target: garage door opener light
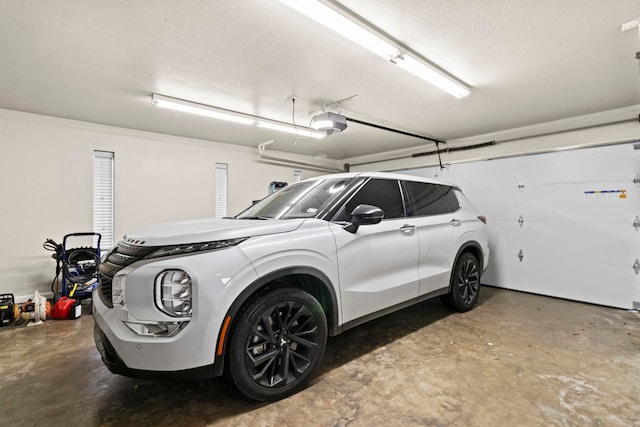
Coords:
pixel 232 116
pixel 351 26
pixel 329 122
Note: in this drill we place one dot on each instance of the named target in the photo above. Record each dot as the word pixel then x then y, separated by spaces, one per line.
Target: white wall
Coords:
pixel 47 186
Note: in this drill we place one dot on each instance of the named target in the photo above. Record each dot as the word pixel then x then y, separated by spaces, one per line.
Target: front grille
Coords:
pixel 123 255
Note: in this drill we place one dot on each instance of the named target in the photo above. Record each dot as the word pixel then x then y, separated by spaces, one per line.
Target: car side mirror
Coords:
pixel 364 215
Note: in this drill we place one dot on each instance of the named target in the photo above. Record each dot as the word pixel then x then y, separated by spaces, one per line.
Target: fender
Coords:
pixel 261 284
pixel 476 249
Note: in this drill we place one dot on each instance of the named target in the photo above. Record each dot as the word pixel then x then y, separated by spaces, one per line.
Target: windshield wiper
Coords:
pixel 254 217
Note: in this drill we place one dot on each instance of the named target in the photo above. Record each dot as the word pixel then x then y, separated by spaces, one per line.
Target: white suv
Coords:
pixel 257 295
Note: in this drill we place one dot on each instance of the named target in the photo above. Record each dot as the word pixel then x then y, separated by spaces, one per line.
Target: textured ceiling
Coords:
pixel 527 62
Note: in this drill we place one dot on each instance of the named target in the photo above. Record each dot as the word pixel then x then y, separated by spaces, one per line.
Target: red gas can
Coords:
pixel 66 308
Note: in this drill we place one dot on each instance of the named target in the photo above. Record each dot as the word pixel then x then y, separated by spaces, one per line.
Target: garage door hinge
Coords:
pixel 521 221
pixel 521 187
pixel 636 223
pixel 636 180
pixel 521 255
pixel 636 266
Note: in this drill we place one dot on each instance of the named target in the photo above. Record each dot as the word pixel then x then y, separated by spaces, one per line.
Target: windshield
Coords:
pixel 300 200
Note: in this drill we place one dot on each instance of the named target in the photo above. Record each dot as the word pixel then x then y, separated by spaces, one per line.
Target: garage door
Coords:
pixel 564 224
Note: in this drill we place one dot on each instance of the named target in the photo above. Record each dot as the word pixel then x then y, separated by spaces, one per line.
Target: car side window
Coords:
pixel 383 193
pixel 426 199
pixel 450 196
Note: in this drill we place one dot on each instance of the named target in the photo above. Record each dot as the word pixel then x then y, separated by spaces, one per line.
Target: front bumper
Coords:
pixel 191 351
pixel 116 365
pixel 188 354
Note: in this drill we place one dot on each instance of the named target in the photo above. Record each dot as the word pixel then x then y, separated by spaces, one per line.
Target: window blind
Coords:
pixel 103 197
pixel 221 190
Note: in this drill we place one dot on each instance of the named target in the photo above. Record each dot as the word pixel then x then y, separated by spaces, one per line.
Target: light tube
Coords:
pixel 301 131
pixel 344 26
pixel 319 124
pixel 371 39
pixel 232 116
pixel 199 109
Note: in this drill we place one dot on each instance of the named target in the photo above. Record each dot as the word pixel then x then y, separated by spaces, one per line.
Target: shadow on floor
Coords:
pixel 127 400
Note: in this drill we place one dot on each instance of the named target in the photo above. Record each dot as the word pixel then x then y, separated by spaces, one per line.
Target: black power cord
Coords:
pixel 52 246
pixel 81 265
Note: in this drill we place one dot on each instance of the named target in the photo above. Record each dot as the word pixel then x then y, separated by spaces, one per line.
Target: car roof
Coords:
pixel 385 175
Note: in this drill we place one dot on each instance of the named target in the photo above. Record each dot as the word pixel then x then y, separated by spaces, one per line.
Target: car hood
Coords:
pixel 208 230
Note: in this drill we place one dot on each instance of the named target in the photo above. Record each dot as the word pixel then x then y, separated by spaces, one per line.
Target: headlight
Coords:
pixel 173 293
pixel 117 292
pixel 194 247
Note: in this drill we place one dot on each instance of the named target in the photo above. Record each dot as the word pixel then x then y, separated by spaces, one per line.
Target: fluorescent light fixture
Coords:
pixel 199 109
pixel 232 116
pixel 297 130
pixel 343 25
pixel 372 39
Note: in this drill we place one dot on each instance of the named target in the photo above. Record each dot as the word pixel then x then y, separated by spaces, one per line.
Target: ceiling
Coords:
pixel 526 61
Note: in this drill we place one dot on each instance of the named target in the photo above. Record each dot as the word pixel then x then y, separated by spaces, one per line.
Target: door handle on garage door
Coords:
pixel 407 228
pixel 455 222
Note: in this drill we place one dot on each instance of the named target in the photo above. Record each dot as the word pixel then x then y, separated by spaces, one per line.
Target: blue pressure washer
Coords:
pixel 79 267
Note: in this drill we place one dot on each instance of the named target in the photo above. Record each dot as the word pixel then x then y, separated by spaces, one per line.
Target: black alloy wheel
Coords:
pixel 277 344
pixel 465 284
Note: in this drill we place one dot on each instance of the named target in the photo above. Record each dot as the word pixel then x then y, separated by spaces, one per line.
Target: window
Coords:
pixel 450 196
pixel 299 200
pixel 103 197
pixel 221 190
pixel 426 199
pixel 383 193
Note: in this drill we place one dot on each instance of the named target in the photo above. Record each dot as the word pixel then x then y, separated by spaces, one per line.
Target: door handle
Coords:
pixel 455 222
pixel 407 228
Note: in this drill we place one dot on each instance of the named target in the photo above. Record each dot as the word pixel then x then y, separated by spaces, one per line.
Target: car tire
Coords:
pixel 465 284
pixel 277 344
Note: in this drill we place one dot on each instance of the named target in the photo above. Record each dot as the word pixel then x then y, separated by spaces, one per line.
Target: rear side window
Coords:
pixel 383 193
pixel 450 196
pixel 430 199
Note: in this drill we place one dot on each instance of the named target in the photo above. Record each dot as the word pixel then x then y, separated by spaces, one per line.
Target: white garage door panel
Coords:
pixel 578 208
pixel 506 237
pixel 496 196
pixel 560 203
pixel 603 284
pixel 540 241
pixel 609 244
pixel 575 202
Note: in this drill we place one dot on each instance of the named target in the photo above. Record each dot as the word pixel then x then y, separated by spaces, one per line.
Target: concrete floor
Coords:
pixel 517 359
